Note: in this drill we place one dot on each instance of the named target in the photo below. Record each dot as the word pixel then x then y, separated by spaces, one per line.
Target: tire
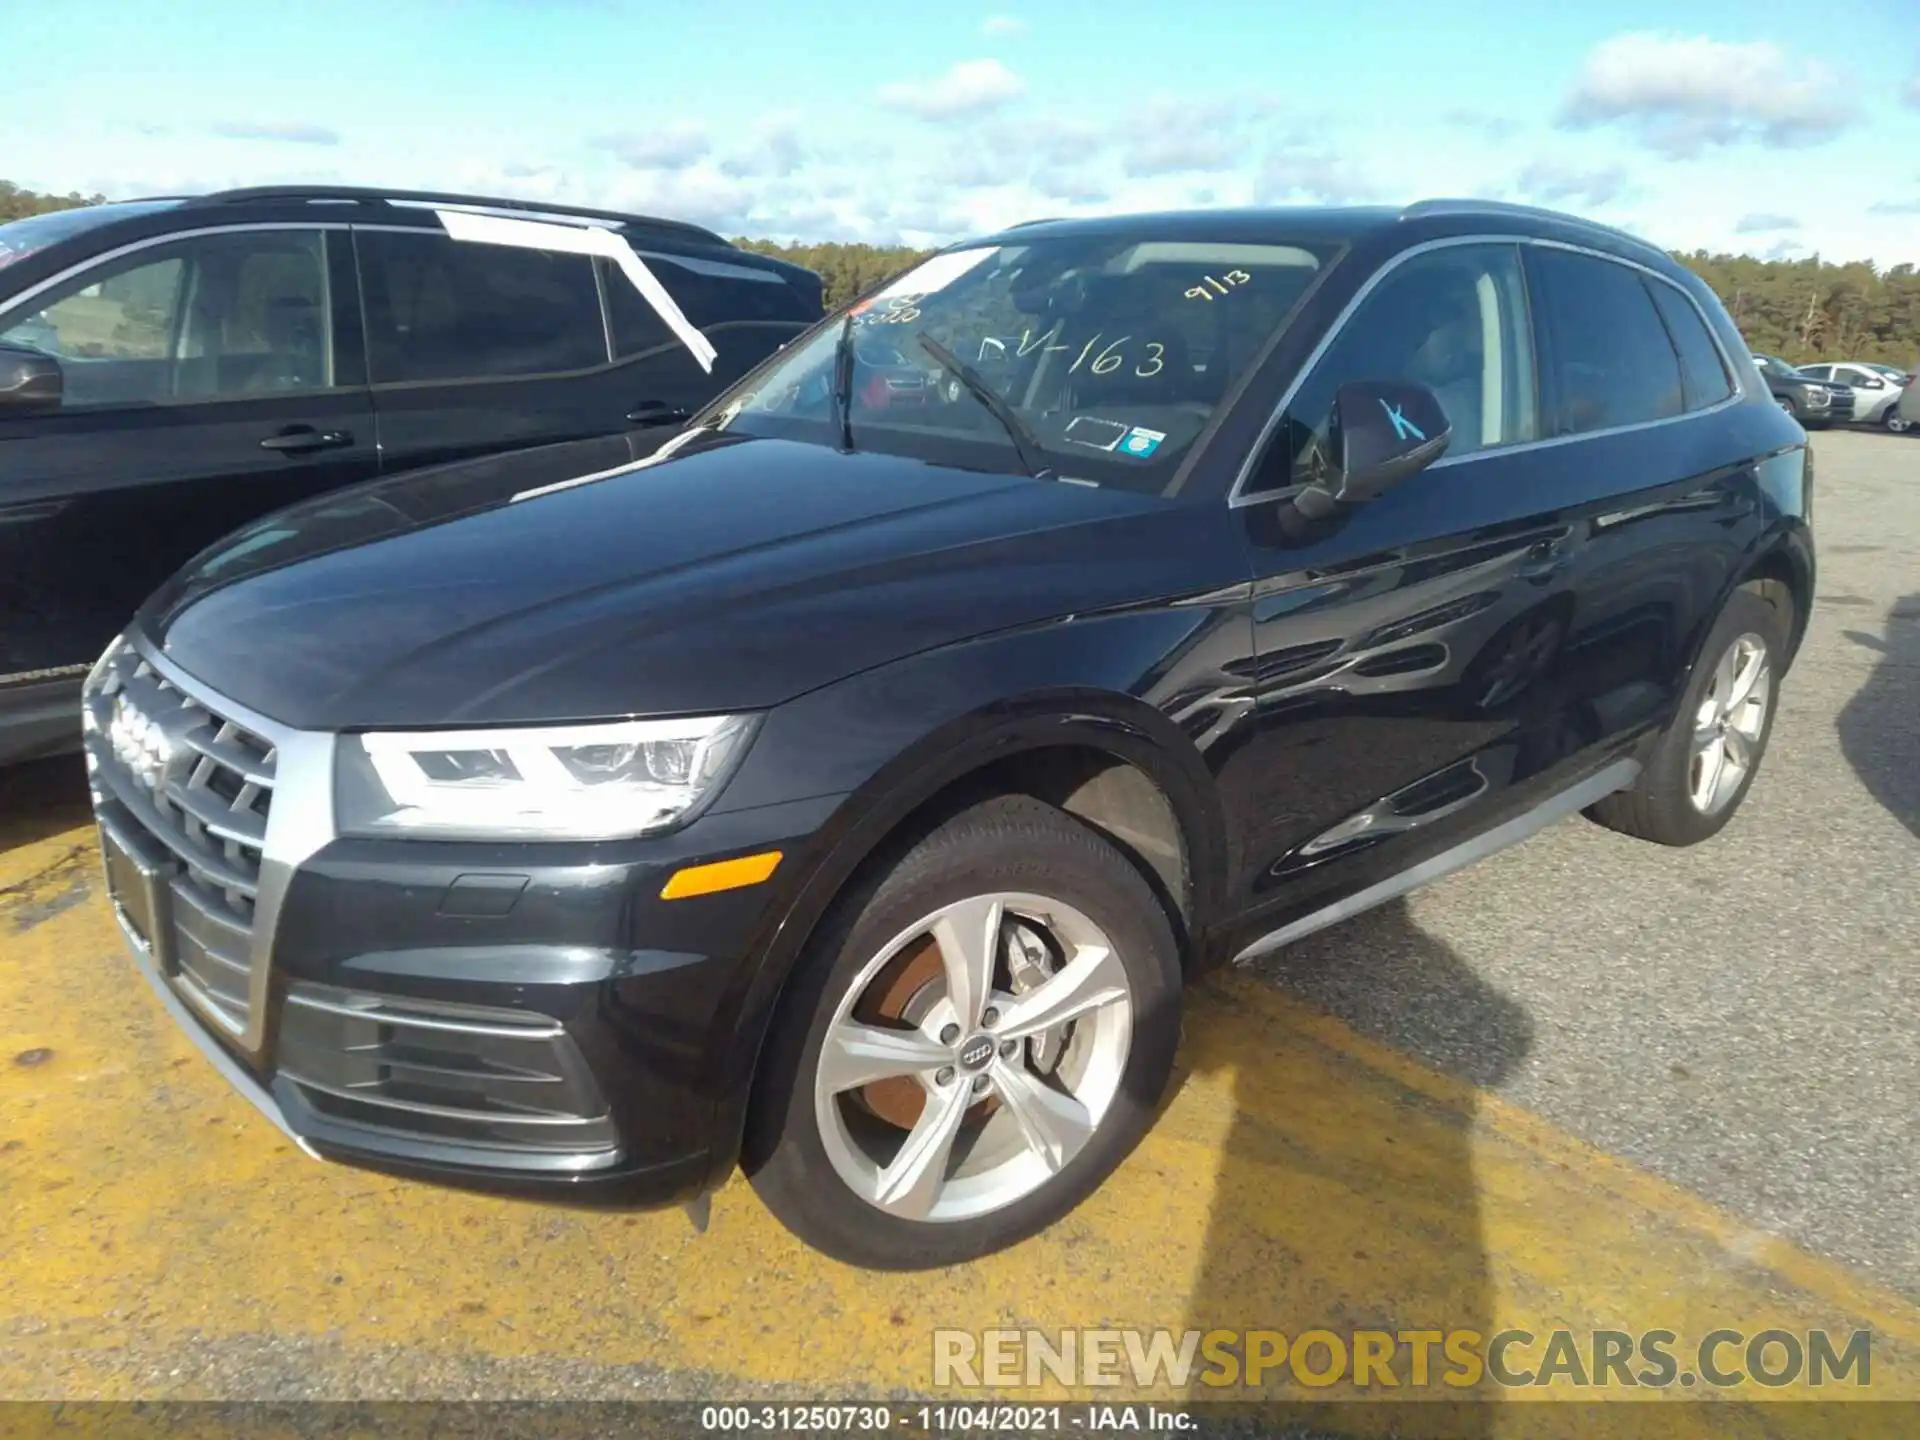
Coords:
pixel 802 1144
pixel 1895 421
pixel 1662 805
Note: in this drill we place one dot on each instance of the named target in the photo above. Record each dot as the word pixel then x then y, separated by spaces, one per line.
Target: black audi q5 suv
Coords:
pixel 845 790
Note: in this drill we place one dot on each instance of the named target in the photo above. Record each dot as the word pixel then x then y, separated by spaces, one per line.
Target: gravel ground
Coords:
pixel 1738 1016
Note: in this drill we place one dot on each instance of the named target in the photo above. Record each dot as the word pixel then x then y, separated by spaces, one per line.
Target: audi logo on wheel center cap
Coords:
pixel 976 1052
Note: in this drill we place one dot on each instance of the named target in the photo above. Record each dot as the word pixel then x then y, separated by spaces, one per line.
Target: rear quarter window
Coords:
pixel 1703 373
pixel 745 312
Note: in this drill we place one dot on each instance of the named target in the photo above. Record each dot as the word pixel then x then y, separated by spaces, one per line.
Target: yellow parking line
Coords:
pixel 1301 1176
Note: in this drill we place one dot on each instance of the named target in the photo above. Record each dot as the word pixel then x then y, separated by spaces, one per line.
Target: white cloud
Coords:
pixel 1683 94
pixel 671 147
pixel 1553 182
pixel 776 149
pixel 1494 128
pixel 1003 25
pixel 1762 223
pixel 285 132
pixel 971 87
pixel 1910 92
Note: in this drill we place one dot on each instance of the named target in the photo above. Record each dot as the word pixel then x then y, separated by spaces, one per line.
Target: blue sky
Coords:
pixel 1742 127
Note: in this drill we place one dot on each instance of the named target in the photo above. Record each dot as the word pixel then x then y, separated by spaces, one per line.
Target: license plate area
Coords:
pixel 140 881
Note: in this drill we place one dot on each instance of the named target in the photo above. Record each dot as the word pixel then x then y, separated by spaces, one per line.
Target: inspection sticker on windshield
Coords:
pixel 1141 442
pixel 1095 433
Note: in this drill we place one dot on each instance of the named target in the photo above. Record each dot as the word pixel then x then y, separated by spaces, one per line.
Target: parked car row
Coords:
pixel 173 369
pixel 1830 393
pixel 846 788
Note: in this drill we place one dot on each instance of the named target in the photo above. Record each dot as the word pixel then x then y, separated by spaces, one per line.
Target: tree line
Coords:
pixel 1801 310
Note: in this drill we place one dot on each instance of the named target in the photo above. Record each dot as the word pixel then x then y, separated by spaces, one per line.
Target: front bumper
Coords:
pixel 526 1017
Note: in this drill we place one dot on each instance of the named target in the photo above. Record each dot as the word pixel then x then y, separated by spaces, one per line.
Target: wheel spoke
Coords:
pixel 1739 752
pixel 909 1186
pixel 856 1055
pixel 1092 978
pixel 968 935
pixel 1711 758
pixel 1723 678
pixel 1054 1125
pixel 1744 681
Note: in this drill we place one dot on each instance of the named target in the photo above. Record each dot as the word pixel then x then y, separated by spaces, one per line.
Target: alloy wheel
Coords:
pixel 1728 725
pixel 973 1057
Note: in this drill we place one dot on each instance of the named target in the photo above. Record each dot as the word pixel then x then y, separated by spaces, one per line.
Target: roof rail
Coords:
pixel 371 195
pixel 1536 212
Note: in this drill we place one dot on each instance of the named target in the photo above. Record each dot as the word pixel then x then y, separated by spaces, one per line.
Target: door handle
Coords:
pixel 655 412
pixel 1543 561
pixel 299 439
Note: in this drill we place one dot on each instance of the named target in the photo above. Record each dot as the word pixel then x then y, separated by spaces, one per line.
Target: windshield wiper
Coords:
pixel 1024 443
pixel 843 382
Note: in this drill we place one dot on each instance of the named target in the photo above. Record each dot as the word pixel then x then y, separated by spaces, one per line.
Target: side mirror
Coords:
pixel 1382 432
pixel 31 382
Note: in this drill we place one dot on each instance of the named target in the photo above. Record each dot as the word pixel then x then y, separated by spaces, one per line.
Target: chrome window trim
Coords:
pixel 1239 498
pixel 13 303
pixel 299 824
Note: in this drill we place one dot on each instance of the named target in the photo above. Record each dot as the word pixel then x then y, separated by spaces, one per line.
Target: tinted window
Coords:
pixel 1613 363
pixel 1454 320
pixel 442 309
pixel 1703 374
pixel 213 317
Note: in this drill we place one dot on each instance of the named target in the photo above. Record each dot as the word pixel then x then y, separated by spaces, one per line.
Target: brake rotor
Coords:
pixel 901 994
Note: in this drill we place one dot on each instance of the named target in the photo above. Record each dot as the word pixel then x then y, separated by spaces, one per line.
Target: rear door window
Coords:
pixel 1703 374
pixel 440 309
pixel 1612 363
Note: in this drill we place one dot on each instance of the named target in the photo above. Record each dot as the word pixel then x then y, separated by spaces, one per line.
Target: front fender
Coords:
pixel 892 739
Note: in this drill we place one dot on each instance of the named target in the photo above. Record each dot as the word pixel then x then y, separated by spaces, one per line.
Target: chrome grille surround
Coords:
pixel 228 799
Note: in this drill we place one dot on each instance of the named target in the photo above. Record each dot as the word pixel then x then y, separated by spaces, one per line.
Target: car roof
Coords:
pixel 1337 225
pixel 149 215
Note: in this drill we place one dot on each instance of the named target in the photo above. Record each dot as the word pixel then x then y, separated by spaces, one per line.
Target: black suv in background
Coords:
pixel 1816 404
pixel 847 788
pixel 171 369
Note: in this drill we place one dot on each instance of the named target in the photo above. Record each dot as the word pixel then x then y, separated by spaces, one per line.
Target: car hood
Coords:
pixel 730 574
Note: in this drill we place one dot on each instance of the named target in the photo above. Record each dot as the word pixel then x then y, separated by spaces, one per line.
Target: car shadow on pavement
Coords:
pixel 1346 1197
pixel 42 798
pixel 1878 731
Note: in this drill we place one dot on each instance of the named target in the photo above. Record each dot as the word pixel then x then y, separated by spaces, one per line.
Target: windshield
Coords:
pixel 21 238
pixel 1112 353
pixel 1774 366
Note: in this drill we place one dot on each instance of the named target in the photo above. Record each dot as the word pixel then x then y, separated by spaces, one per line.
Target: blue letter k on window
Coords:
pixel 1402 427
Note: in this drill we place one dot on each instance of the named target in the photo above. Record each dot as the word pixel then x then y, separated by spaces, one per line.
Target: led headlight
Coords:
pixel 564 782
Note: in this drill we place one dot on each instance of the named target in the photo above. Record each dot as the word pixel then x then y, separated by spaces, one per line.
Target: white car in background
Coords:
pixel 1876 388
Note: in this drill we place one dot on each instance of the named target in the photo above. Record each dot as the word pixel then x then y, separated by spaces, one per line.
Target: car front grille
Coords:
pixel 199 786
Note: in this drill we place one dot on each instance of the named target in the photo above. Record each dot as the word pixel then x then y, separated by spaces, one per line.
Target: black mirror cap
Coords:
pixel 31 382
pixel 1383 432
